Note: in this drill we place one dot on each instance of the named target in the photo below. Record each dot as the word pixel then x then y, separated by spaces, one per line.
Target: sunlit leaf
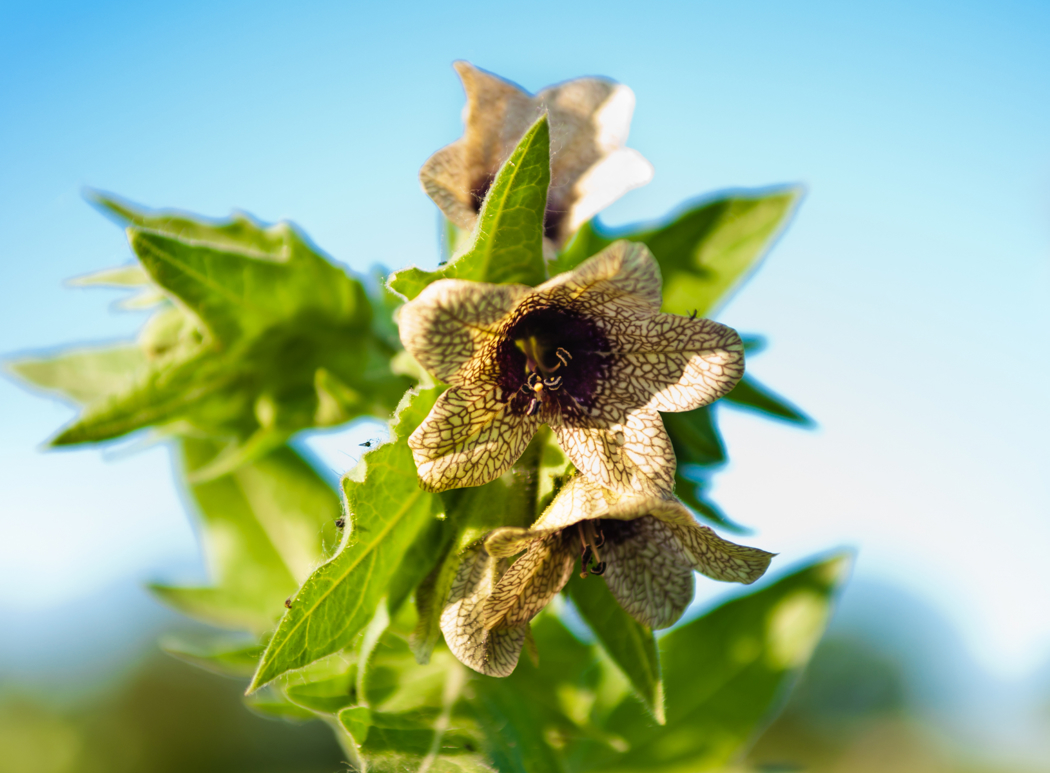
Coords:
pixel 630 644
pixel 507 243
pixel 82 375
pixel 705 252
pixel 727 672
pixel 267 337
pixel 225 655
pixel 262 529
pixel 387 512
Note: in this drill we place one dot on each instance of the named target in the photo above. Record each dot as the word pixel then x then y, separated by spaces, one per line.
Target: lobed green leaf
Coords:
pixel 387 511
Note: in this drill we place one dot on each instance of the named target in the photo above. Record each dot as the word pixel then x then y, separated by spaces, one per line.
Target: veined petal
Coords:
pixel 618 285
pixel 450 326
pixel 495 117
pixel 674 363
pixel 646 579
pixel 634 456
pixel 699 547
pixel 494 653
pixel 622 170
pixel 469 438
pixel 578 500
pixel 531 582
pixel 589 119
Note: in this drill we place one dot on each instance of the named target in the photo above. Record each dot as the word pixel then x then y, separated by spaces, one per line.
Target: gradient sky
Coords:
pixel 906 307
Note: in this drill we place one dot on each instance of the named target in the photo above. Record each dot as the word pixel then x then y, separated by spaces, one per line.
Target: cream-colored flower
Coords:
pixel 590 167
pixel 587 352
pixel 645 548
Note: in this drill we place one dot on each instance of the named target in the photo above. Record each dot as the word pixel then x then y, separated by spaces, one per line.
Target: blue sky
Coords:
pixel 907 306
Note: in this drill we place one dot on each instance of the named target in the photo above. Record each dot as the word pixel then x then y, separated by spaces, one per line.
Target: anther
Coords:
pixel 562 355
pixel 601 539
pixel 552 383
pixel 534 407
pixel 598 569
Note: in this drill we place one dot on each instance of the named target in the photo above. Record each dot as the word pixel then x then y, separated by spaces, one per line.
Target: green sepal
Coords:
pixel 506 245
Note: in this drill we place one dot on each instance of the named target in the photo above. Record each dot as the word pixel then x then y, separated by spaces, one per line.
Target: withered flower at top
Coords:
pixel 590 167
pixel 587 352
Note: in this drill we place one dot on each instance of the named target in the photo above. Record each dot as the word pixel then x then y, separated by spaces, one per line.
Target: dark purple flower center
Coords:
pixel 555 357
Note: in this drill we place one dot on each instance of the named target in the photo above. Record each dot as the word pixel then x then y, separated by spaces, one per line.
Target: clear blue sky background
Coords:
pixel 907 306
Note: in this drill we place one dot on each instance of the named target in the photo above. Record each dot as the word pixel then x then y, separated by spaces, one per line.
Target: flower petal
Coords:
pixel 469 438
pixel 675 363
pixel 634 456
pixel 647 580
pixel 494 653
pixel 699 547
pixel 578 500
pixel 618 285
pixel 496 115
pixel 589 118
pixel 531 582
pixel 451 325
pixel 622 170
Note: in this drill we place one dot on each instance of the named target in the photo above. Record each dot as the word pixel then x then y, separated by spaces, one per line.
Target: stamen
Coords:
pixel 599 569
pixel 552 383
pixel 601 538
pixel 562 355
pixel 693 315
pixel 534 407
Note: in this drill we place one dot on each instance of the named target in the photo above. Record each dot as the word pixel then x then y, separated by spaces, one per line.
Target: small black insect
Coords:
pixel 340 523
pixel 288 603
pixel 366 444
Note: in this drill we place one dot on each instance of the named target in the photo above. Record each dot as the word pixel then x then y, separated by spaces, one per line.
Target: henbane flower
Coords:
pixel 587 352
pixel 590 167
pixel 645 548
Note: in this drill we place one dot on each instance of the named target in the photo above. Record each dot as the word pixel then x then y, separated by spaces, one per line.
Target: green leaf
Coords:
pixel 261 529
pixel 694 437
pixel 514 739
pixel 223 655
pixel 507 242
pixel 749 394
pixel 691 491
pixel 130 275
pixel 704 253
pixel 267 337
pixel 241 233
pixel 510 500
pixel 82 375
pixel 387 511
pixel 728 671
pixel 630 644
